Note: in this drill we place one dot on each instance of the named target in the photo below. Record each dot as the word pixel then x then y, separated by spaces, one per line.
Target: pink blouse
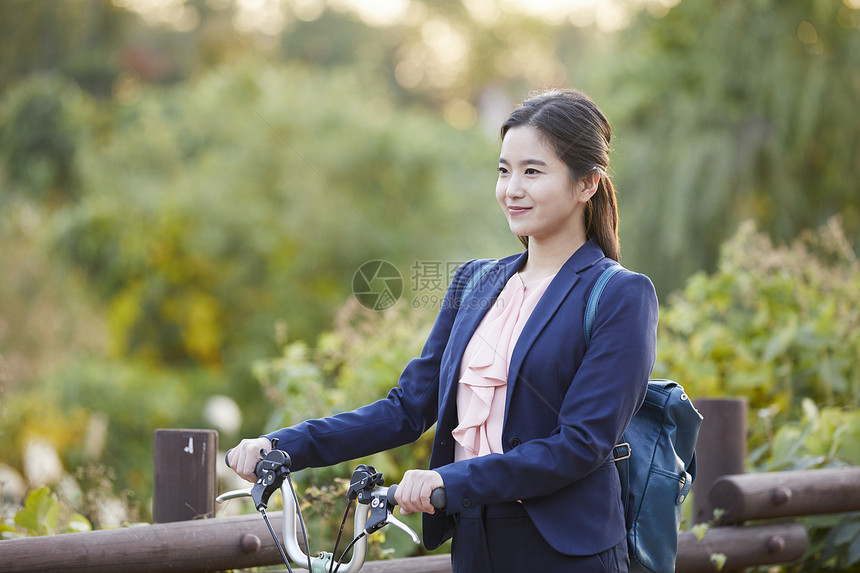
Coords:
pixel 483 384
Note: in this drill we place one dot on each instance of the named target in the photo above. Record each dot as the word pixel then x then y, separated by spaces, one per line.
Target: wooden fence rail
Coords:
pixel 239 542
pixel 183 546
pixel 743 547
pixel 786 494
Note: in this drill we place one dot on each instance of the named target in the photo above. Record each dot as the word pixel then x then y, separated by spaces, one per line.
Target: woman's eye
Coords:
pixel 503 171
pixel 531 171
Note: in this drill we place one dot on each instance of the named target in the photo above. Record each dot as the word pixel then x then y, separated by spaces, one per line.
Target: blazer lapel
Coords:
pixel 472 310
pixel 551 300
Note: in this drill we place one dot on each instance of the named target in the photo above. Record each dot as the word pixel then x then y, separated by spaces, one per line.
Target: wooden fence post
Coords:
pixel 184 475
pixel 720 450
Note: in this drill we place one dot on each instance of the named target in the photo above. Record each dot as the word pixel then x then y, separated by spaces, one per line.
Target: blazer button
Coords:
pixel 466 501
pixel 514 442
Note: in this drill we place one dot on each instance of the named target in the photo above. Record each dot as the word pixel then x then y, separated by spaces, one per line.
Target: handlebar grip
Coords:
pixel 227 461
pixel 438 497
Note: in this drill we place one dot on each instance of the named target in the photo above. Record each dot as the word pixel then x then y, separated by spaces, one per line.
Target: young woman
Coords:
pixel 527 415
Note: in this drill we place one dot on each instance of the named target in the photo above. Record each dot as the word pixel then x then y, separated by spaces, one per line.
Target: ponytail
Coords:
pixel 601 219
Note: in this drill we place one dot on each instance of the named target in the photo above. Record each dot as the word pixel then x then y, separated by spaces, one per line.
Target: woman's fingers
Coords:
pixel 244 457
pixel 413 492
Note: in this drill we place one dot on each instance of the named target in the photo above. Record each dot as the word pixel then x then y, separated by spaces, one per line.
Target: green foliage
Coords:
pixel 356 363
pixel 106 414
pixel 198 227
pixel 77 39
pixel 43 125
pixel 773 324
pixel 201 232
pixel 780 326
pixel 822 438
pixel 44 514
pixel 137 400
pixel 732 111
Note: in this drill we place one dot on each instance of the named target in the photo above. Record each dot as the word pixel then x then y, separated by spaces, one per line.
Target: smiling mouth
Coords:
pixel 517 210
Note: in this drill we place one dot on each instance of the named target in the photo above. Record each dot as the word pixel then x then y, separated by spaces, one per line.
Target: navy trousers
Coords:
pixel 501 538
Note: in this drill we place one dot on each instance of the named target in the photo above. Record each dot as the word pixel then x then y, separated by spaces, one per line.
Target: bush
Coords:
pixel 774 324
pixel 780 326
pixel 44 122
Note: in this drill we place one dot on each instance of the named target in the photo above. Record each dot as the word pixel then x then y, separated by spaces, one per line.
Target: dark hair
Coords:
pixel 579 134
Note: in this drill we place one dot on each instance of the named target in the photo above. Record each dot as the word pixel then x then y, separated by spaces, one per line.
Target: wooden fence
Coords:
pixel 197 545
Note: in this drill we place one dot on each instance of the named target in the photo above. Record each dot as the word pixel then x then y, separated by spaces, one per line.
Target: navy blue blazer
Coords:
pixel 566 408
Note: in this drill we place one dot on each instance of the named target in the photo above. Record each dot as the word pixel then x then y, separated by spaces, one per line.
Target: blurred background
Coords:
pixel 187 188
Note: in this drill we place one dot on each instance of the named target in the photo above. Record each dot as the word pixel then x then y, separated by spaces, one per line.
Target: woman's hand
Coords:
pixel 413 492
pixel 244 457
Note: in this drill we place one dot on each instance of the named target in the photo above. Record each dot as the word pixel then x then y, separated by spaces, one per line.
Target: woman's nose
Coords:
pixel 515 187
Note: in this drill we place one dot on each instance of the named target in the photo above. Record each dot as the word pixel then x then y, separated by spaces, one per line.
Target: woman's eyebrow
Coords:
pixel 524 161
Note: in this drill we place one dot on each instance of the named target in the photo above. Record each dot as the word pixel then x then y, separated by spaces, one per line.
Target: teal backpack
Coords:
pixel 656 462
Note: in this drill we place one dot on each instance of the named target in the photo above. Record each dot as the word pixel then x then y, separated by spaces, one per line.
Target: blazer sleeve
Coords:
pixel 400 418
pixel 601 399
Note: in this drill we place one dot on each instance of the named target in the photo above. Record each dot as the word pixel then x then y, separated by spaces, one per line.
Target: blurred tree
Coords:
pixel 44 121
pixel 253 196
pixel 72 38
pixel 733 110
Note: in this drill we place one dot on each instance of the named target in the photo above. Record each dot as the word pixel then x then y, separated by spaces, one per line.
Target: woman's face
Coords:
pixel 535 191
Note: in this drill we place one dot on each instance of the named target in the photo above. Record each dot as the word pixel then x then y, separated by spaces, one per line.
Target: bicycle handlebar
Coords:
pixel 376 503
pixel 438 497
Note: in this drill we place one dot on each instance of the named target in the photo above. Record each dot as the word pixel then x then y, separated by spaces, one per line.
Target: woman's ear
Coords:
pixel 589 185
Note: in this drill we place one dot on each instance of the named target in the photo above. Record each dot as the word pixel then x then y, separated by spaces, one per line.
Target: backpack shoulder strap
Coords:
pixel 621 452
pixel 594 299
pixel 486 265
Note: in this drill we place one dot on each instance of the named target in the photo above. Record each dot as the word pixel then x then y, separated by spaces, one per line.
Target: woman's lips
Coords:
pixel 514 210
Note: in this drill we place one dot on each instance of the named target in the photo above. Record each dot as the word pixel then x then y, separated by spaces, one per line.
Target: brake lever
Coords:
pixel 381 508
pixel 236 493
pixel 397 523
pixel 271 472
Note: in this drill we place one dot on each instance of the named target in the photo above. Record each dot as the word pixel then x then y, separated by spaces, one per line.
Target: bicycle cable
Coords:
pixel 275 537
pixel 348 547
pixel 339 533
pixel 301 522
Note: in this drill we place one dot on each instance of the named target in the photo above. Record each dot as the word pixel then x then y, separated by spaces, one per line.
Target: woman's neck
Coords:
pixel 546 259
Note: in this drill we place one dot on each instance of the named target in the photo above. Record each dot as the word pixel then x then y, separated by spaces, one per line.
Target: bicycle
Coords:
pixel 366 487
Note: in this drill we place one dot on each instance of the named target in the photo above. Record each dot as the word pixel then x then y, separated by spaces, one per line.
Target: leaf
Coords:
pixel 719 560
pixel 699 530
pixel 780 342
pixel 854 552
pixel 810 411
pixel 8 531
pixel 40 513
pixel 78 523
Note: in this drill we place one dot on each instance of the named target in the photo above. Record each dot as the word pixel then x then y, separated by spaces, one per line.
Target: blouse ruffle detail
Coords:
pixel 483 383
